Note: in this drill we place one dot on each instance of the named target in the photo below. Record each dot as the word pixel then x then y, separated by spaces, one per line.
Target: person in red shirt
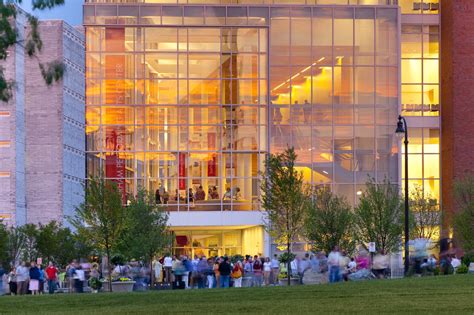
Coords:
pixel 52 276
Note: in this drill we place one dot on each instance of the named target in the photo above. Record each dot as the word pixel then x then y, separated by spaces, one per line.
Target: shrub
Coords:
pixel 462 269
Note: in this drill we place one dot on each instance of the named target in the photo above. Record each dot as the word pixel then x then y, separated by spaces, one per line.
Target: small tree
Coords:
pixel 4 259
pixel 330 222
pixel 30 249
pixel 146 229
pixel 379 216
pixel 425 218
pixel 100 219
pixel 56 243
pixel 285 199
pixel 464 218
pixel 16 243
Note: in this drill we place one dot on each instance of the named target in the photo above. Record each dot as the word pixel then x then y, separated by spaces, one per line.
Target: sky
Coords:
pixel 71 12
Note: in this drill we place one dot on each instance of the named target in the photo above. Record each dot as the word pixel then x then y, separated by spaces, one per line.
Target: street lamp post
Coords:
pixel 402 132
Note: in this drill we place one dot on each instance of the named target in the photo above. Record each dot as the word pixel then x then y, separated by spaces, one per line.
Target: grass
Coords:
pixel 441 295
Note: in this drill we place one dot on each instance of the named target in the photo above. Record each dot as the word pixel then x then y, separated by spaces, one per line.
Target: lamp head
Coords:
pixel 400 132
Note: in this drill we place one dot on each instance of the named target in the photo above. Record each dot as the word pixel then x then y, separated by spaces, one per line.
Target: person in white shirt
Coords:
pixel 168 266
pixel 333 263
pixel 267 271
pixel 22 275
pixel 455 262
pixel 275 264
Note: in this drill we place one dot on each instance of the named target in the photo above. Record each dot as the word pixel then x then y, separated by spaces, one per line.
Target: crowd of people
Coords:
pixel 200 272
pixel 162 196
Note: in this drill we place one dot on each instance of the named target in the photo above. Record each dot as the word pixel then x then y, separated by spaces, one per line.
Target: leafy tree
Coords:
pixel 100 219
pixel 285 199
pixel 9 36
pixel 56 243
pixel 4 259
pixel 29 249
pixel 146 229
pixel 16 241
pixel 379 216
pixel 464 218
pixel 330 222
pixel 425 217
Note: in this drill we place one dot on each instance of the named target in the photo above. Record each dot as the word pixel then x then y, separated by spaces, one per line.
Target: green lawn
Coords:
pixel 445 294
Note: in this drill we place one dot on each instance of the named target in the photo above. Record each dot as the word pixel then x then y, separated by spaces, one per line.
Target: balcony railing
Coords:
pixel 256 2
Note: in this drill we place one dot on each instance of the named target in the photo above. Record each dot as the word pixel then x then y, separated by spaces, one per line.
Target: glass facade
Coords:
pixel 194 97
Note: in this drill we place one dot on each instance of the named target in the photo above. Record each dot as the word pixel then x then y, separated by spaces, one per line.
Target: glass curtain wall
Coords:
pixel 334 93
pixel 178 110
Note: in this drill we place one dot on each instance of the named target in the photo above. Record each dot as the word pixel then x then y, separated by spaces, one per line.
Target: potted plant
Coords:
pixel 285 260
pixel 123 284
pixel 95 284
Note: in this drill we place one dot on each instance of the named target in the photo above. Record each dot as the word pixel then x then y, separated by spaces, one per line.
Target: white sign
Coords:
pixel 372 247
pixel 39 261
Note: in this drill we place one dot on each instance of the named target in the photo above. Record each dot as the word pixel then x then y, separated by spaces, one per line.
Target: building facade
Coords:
pixel 42 138
pixel 184 97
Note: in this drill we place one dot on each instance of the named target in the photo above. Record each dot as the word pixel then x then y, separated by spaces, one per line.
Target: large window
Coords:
pixel 179 111
pixel 333 93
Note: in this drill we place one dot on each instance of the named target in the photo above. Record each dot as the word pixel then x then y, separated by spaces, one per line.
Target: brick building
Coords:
pixel 42 130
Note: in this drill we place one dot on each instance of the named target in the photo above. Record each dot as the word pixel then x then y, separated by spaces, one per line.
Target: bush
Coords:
pixel 287 257
pixel 463 269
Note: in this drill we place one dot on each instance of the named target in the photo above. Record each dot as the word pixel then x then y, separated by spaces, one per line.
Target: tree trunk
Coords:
pixel 289 263
pixel 152 273
pixel 109 269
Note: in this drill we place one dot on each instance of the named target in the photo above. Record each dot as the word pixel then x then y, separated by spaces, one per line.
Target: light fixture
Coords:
pixel 400 132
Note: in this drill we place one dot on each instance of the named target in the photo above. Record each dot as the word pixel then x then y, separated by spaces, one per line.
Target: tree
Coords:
pixel 29 249
pixel 146 229
pixel 4 259
pixel 16 241
pixel 425 215
pixel 285 199
pixel 9 36
pixel 379 216
pixel 464 218
pixel 56 243
pixel 100 219
pixel 330 222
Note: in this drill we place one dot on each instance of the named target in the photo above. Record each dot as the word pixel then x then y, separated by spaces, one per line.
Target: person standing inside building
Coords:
pixel 200 194
pixel 157 197
pixel 166 197
pixel 22 278
pixel 34 278
pixel 333 264
pixel 52 277
pixel 224 271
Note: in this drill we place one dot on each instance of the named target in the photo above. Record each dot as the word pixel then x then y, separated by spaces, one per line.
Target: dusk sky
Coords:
pixel 71 11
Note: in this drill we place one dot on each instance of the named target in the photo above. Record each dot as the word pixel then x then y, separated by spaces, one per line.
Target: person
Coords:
pixel 303 266
pixel 227 194
pixel 12 281
pixel 166 197
pixel 190 196
pixel 79 277
pixel 257 271
pixel 22 278
pixel 380 264
pixel 34 278
pixel 275 264
pixel 237 195
pixel 70 270
pixel 224 272
pixel 307 112
pixel 432 262
pixel 237 273
pixel 267 271
pixel 52 277
pixel 350 268
pixel 168 266
pixel 333 264
pixel 200 194
pixel 158 271
pixel 314 262
pixel 217 274
pixel 157 197
pixel 213 194
pixel 248 270
pixel 455 263
pixel 210 274
pixel 188 268
pixel 176 195
pixel 2 273
pixel 194 273
pixel 203 269
pixel 41 279
pixel 277 116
